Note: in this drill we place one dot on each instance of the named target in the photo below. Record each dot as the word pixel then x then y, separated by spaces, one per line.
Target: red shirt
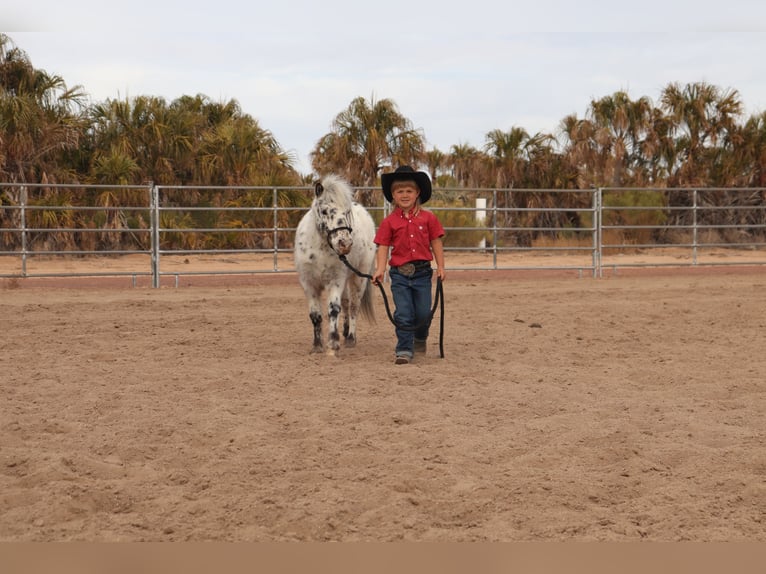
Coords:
pixel 410 238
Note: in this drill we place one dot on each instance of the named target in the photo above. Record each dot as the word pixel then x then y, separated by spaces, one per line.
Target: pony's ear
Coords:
pixel 318 188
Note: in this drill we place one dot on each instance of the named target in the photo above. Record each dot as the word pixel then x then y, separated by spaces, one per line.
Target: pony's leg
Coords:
pixel 344 306
pixel 315 314
pixel 353 296
pixel 333 314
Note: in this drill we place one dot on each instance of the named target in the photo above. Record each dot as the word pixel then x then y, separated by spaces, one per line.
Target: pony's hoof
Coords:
pixel 331 353
pixel 316 350
pixel 350 343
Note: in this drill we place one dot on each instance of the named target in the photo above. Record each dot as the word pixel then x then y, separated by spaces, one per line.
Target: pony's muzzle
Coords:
pixel 343 247
pixel 341 241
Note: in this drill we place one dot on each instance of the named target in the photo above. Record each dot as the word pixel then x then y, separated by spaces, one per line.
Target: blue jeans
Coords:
pixel 412 297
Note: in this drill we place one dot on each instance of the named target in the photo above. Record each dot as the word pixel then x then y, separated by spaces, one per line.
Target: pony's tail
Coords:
pixel 366 306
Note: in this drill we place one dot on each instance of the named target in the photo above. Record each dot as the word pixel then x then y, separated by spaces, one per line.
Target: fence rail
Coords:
pixel 75 230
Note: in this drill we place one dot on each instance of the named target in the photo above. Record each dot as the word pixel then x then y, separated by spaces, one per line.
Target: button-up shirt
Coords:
pixel 409 236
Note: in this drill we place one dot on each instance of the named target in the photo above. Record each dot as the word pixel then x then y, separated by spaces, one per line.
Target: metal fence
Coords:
pixel 160 231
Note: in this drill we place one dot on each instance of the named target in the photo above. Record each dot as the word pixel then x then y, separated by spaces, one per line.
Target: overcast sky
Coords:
pixel 457 72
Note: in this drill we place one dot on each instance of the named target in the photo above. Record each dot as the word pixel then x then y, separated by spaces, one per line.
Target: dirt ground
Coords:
pixel 566 408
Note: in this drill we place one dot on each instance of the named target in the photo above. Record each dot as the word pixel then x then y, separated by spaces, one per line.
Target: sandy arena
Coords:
pixel 625 408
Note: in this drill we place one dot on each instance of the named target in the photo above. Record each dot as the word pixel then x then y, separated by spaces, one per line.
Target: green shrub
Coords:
pixel 643 208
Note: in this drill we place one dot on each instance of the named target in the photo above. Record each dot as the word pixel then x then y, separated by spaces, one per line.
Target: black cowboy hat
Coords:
pixel 406 173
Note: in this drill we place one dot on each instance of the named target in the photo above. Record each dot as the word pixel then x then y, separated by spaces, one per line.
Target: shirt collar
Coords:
pixel 414 213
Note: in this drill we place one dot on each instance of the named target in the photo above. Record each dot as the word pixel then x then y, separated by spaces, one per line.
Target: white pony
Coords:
pixel 335 225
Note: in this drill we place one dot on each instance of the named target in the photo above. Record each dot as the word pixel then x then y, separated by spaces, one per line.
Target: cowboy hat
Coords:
pixel 406 173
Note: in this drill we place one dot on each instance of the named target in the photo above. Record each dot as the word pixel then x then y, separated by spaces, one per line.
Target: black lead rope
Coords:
pixel 438 301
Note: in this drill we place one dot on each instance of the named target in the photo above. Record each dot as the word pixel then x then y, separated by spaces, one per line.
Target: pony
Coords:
pixel 335 226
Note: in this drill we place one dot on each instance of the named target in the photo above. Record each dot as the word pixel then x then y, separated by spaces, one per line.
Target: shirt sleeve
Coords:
pixel 435 229
pixel 383 235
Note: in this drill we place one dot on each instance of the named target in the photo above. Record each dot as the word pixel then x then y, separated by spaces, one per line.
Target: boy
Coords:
pixel 415 238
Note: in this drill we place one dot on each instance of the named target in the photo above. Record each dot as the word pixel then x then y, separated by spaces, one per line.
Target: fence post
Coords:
pixel 598 235
pixel 481 217
pixel 694 227
pixel 275 205
pixel 154 206
pixel 494 229
pixel 23 224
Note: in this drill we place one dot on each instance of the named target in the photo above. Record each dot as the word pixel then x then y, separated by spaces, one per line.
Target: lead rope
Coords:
pixel 438 300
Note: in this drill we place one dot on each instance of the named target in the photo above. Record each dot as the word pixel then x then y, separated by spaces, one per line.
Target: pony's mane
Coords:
pixel 337 190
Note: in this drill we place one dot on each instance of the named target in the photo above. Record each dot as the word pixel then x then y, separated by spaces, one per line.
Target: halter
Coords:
pixel 329 232
pixel 334 230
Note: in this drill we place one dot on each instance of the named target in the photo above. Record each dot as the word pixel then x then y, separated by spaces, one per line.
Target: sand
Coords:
pixel 566 408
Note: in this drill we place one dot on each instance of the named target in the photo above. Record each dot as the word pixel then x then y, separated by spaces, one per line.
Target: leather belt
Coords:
pixel 409 269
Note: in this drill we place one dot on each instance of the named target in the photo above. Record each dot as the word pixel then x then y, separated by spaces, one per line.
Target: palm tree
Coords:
pixel 530 163
pixel 513 153
pixel 507 150
pixel 191 140
pixel 581 149
pixel 435 160
pixel 240 152
pixel 702 114
pixel 659 151
pixel 702 120
pixel 467 164
pixel 753 148
pixel 621 125
pixel 608 145
pixel 365 138
pixel 190 118
pixel 140 130
pixel 40 120
pixel 125 140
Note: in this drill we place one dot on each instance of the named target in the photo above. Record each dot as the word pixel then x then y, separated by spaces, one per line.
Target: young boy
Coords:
pixel 414 236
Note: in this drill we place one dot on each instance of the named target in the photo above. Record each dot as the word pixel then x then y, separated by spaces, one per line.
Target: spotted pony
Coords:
pixel 335 225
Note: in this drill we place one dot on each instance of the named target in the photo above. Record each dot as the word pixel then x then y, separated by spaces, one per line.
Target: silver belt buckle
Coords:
pixel 408 269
